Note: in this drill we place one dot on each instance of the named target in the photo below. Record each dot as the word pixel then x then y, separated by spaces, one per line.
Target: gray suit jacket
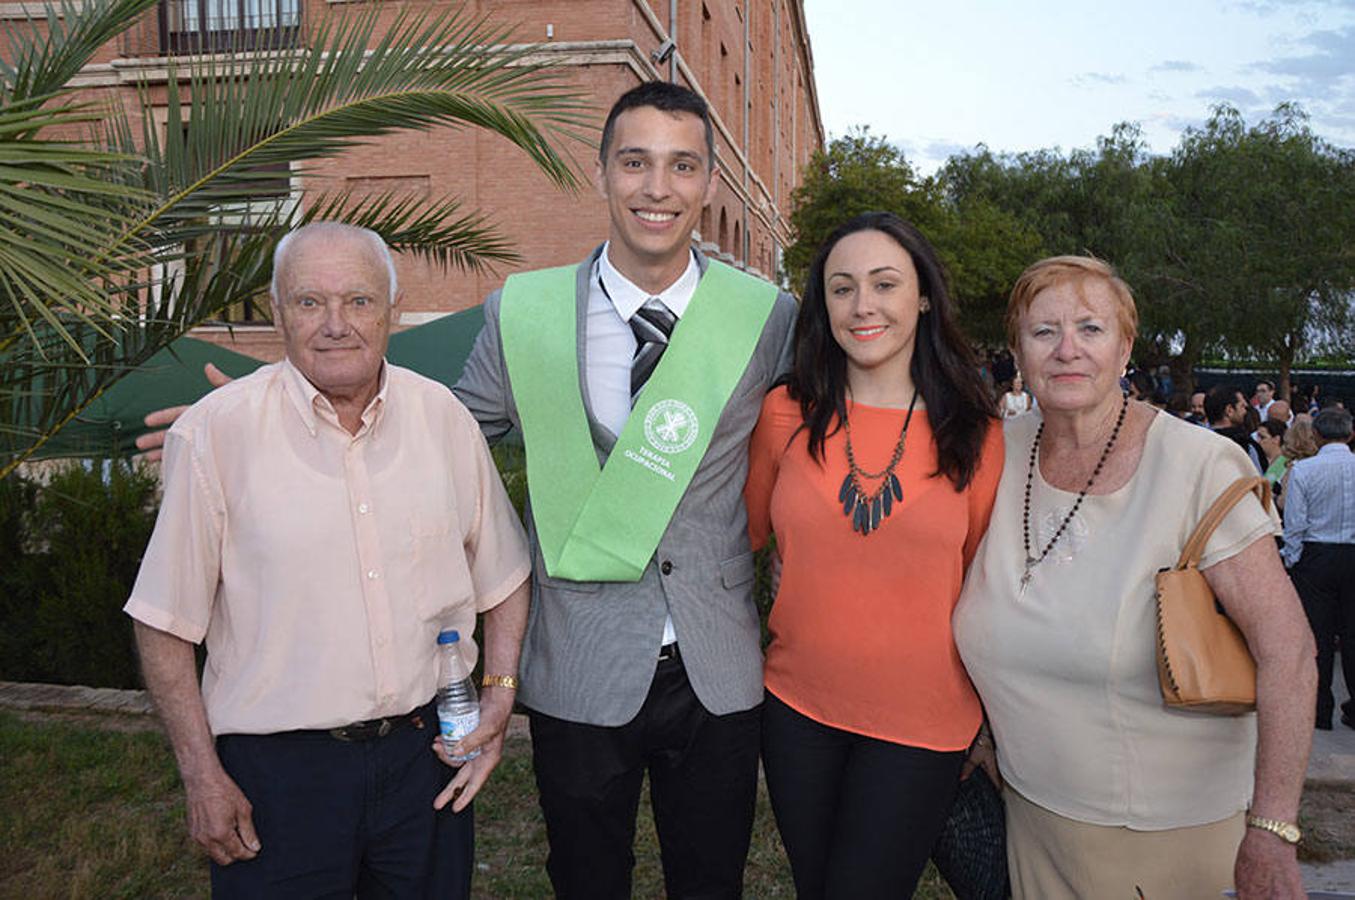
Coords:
pixel 591 648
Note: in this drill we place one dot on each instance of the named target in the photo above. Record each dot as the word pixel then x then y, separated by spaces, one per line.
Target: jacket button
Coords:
pixel 666 568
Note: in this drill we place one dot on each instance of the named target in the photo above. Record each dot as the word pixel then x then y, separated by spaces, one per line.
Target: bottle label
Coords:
pixel 456 727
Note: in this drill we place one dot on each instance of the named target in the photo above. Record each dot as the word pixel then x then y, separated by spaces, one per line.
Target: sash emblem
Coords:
pixel 671 426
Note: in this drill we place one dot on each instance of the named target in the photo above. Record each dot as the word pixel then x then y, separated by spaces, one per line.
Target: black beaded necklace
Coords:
pixel 867 512
pixel 1033 561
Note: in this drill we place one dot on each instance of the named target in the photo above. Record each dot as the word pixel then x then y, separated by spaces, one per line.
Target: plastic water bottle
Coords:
pixel 458 705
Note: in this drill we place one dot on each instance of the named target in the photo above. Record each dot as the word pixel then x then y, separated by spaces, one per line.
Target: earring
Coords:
pixel 924 305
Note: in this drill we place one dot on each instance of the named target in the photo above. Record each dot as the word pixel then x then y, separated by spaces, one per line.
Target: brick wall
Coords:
pixel 751 60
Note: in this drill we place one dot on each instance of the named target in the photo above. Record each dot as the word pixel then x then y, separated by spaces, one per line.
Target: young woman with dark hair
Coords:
pixel 875 465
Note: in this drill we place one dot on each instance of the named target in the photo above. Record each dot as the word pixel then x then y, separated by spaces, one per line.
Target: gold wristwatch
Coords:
pixel 503 681
pixel 1286 831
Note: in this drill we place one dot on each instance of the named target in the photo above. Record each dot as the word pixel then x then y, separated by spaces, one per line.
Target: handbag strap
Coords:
pixel 1194 549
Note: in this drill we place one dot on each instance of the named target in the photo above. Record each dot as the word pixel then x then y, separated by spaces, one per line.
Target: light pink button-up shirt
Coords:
pixel 320 565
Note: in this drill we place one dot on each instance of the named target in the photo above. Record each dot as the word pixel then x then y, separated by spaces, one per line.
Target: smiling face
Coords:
pixel 334 314
pixel 870 287
pixel 1071 347
pixel 656 179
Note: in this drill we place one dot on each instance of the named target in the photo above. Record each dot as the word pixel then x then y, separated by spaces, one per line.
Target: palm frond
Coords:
pixel 136 234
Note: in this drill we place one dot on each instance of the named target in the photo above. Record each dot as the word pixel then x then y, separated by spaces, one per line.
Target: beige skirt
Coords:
pixel 1052 858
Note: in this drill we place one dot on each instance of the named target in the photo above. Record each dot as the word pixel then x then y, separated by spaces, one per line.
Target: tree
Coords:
pixel 859 172
pixel 1264 234
pixel 117 243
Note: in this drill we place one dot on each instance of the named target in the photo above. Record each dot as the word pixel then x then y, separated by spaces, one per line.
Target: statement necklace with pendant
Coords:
pixel 868 511
pixel 1033 561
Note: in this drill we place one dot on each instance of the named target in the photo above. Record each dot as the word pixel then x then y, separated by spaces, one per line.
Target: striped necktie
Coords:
pixel 652 324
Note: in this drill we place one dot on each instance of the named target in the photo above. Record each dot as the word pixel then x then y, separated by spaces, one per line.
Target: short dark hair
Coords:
pixel 1217 401
pixel 664 96
pixel 1333 424
pixel 1274 427
pixel 959 405
pixel 1267 382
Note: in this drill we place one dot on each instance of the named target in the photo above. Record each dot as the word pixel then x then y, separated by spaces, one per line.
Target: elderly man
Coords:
pixel 1280 411
pixel 323 519
pixel 1319 549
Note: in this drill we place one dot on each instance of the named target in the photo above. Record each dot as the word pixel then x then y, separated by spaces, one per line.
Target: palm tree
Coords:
pixel 114 233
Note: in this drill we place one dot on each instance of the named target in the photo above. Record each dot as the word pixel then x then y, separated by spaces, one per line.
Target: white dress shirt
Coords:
pixel 1319 504
pixel 609 344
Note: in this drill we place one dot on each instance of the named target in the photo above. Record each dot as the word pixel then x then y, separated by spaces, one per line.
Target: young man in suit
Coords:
pixel 636 378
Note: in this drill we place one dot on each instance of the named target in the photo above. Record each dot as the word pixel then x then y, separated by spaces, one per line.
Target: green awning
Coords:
pixel 109 426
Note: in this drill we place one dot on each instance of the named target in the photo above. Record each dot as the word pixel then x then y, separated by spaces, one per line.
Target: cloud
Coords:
pixel 1175 65
pixel 1236 95
pixel 944 149
pixel 1092 79
pixel 1271 7
pixel 1332 58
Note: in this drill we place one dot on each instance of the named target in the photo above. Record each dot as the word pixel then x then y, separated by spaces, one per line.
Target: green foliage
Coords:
pixel 1240 244
pixel 1262 241
pixel 118 244
pixel 72 547
pixel 857 173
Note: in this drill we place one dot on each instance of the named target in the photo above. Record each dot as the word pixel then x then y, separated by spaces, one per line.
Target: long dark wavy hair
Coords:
pixel 944 367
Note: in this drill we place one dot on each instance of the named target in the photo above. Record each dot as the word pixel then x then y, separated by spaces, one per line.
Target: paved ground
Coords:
pixel 1333 759
pixel 1333 756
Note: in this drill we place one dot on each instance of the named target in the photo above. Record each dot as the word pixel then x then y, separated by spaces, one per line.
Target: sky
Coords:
pixel 937 78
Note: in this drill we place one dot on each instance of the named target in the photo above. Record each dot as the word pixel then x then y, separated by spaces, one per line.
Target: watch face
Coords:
pixel 1291 833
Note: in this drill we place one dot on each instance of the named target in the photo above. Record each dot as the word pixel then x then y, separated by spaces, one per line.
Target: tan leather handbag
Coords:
pixel 1203 663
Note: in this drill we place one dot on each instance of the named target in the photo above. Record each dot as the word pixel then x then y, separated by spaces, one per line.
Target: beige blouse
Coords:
pixel 1067 670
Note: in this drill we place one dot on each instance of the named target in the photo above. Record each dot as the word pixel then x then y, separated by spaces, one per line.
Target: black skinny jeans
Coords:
pixel 858 815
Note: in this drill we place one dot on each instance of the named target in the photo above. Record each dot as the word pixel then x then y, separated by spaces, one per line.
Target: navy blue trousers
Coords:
pixel 337 819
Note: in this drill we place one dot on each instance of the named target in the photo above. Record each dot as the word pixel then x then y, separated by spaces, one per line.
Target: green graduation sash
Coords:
pixel 603 523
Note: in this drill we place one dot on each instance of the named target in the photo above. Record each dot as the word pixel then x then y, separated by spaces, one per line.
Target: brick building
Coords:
pixel 750 59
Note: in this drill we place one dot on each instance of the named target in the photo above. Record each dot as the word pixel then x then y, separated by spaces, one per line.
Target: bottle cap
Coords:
pixel 449 636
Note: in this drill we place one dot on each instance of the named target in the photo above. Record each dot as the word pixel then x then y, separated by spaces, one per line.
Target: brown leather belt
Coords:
pixel 372 729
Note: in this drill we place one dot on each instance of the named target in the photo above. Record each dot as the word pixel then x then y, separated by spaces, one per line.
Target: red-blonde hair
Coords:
pixel 1057 270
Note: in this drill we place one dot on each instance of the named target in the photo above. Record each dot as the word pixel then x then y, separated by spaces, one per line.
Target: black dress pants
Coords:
pixel 343 820
pixel 1325 579
pixel 858 815
pixel 702 781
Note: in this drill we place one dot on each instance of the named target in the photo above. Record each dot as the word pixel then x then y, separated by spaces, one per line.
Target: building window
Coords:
pixel 205 26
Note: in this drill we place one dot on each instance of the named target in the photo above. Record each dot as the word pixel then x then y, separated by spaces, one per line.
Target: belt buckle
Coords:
pixel 668 651
pixel 363 731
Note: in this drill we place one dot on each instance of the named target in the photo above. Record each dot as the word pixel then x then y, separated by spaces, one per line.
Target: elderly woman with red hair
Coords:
pixel 1107 790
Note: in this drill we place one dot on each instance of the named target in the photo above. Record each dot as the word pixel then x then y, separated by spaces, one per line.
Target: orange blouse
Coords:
pixel 861 636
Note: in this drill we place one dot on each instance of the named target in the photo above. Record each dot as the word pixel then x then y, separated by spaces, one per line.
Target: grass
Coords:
pixel 90 812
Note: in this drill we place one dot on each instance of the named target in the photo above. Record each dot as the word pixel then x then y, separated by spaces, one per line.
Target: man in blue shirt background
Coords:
pixel 1319 550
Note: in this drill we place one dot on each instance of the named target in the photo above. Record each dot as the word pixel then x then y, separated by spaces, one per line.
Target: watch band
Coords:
pixel 1285 831
pixel 503 681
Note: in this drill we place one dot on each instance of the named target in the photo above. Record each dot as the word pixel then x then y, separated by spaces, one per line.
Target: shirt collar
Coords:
pixel 1334 447
pixel 313 406
pixel 627 297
